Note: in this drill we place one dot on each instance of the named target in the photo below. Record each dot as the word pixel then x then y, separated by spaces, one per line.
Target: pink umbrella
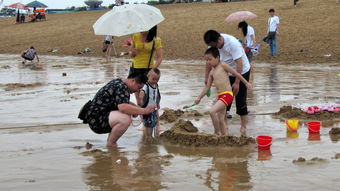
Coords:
pixel 240 16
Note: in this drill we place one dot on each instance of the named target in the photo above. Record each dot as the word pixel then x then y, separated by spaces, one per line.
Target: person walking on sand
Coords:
pixel 150 95
pixel 29 54
pixel 273 32
pixel 146 51
pixel 232 53
pixel 108 45
pixel 249 40
pixel 110 110
pixel 218 75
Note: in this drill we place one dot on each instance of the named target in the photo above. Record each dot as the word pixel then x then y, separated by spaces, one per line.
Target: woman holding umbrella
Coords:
pixel 249 39
pixel 146 52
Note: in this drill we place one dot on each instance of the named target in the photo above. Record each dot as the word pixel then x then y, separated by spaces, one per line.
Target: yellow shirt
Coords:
pixel 141 60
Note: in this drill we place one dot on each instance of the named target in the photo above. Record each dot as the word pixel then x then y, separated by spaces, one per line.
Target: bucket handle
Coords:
pixel 264 145
pixel 313 130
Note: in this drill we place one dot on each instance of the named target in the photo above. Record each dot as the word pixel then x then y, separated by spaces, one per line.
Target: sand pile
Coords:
pixel 314 160
pixel 171 115
pixel 335 131
pixel 185 133
pixel 288 112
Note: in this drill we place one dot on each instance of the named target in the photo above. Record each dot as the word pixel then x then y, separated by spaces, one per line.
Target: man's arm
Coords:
pixel 130 109
pixel 277 28
pixel 238 76
pixel 239 68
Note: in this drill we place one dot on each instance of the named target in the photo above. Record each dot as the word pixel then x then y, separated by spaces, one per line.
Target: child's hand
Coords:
pixel 249 86
pixel 149 109
pixel 197 101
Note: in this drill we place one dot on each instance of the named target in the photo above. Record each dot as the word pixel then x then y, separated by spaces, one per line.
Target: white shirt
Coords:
pixel 272 23
pixel 108 38
pixel 231 51
pixel 153 94
pixel 250 32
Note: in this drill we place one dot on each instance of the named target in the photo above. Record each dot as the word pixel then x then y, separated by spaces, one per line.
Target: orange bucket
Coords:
pixel 314 127
pixel 264 142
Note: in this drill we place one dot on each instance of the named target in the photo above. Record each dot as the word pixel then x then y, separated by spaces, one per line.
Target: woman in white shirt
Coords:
pixel 249 39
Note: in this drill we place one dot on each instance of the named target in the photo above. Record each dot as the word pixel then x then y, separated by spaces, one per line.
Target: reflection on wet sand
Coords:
pixel 264 155
pixel 228 169
pixel 113 170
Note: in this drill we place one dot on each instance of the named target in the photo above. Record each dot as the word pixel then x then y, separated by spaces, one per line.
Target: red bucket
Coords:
pixel 314 127
pixel 264 142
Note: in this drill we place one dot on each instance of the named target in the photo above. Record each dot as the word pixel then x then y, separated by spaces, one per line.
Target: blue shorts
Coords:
pixel 150 121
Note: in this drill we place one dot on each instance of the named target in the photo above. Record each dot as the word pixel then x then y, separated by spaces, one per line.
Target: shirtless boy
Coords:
pixel 219 76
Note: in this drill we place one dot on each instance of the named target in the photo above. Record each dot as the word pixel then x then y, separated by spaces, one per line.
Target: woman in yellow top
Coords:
pixel 146 51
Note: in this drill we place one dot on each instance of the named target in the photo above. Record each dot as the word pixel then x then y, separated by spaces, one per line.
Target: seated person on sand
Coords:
pixel 110 110
pixel 29 54
pixel 219 75
pixel 22 18
pixel 150 95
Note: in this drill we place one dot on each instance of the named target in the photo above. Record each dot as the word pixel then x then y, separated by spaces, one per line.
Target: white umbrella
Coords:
pixel 128 19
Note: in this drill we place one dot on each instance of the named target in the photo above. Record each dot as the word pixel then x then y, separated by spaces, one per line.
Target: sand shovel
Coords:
pixel 188 106
pixel 192 105
pixel 208 93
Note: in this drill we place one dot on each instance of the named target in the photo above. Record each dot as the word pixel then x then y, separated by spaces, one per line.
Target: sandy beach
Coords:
pixel 307 32
pixel 44 146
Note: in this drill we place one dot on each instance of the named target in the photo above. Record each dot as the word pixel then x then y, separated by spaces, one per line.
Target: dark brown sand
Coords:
pixel 288 112
pixel 314 160
pixel 335 131
pixel 171 115
pixel 18 85
pixel 185 133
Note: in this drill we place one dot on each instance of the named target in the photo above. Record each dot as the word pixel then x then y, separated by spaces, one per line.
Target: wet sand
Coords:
pixel 44 145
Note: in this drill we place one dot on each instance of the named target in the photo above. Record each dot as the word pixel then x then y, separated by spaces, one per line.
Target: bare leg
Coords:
pixel 148 132
pixel 114 49
pixel 108 53
pixel 223 123
pixel 244 122
pixel 119 123
pixel 216 108
pixel 157 130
